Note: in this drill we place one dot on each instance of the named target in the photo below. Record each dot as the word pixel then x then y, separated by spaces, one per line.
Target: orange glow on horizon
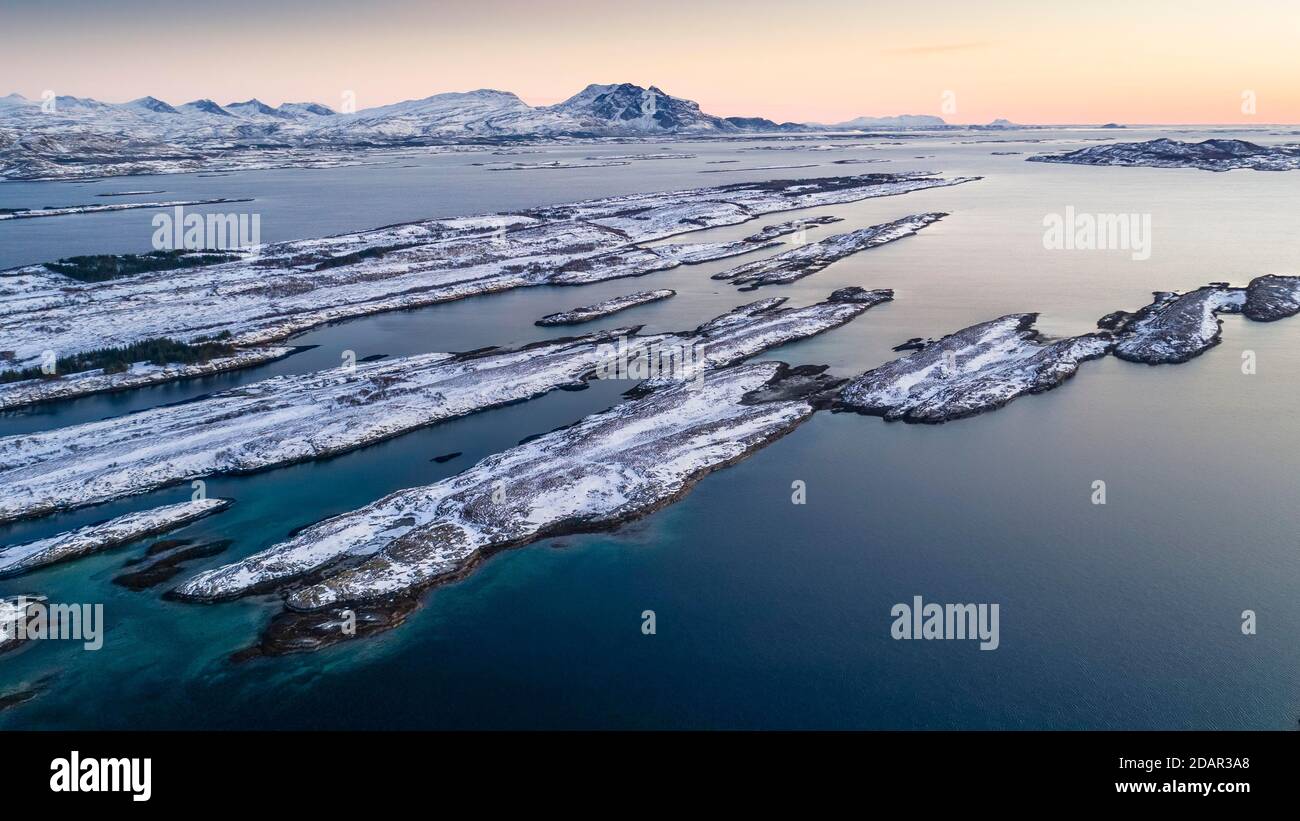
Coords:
pixel 819 61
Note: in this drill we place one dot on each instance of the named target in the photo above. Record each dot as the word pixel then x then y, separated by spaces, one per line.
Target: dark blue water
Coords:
pixel 771 614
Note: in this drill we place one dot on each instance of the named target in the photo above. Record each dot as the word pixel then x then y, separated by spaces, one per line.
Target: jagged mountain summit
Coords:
pixel 204 107
pixel 615 109
pixel 624 105
pixel 152 104
pixel 254 108
pixel 306 109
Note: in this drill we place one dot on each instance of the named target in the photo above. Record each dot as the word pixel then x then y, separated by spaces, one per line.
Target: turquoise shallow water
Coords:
pixel 769 614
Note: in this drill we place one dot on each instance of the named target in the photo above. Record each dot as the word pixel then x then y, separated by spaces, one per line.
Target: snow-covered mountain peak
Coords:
pixel 306 109
pixel 253 108
pixel 627 106
pixel 205 106
pixel 150 104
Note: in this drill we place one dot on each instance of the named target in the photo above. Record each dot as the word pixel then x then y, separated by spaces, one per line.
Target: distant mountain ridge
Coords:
pixel 900 121
pixel 614 109
pixel 65 136
pixel 1208 155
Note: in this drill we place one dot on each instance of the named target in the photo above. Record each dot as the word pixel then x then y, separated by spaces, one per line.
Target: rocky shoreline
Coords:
pixel 987 365
pixel 138 375
pixel 974 370
pixel 121 530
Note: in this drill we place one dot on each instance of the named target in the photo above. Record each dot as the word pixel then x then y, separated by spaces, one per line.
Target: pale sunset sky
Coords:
pixel 821 60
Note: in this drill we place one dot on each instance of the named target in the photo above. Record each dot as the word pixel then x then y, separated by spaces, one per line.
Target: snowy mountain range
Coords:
pixel 40 138
pixel 620 109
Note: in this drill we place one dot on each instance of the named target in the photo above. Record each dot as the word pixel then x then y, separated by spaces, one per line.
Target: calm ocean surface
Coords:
pixel 769 615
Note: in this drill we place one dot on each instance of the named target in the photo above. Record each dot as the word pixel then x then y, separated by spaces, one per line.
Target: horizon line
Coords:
pixel 1030 124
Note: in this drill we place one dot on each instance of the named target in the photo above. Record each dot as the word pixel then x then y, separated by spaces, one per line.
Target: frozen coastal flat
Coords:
pixel 281 289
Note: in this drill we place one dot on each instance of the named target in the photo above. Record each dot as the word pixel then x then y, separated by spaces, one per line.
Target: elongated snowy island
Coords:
pixel 273 291
pixel 93 538
pixel 295 418
pixel 610 467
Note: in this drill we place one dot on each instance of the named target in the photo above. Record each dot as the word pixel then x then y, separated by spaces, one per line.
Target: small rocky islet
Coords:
pixel 605 308
pixel 984 366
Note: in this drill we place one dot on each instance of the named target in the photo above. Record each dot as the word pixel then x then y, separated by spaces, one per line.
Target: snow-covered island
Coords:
pixel 698 252
pixel 138 375
pixel 294 418
pixel 1177 327
pixel 127 528
pixel 272 291
pixel 1207 155
pixel 553 165
pixel 1272 297
pixel 605 308
pixel 611 467
pixel 13 613
pixel 971 371
pixel 31 213
pixel 596 473
pixel 808 259
pixel 984 366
